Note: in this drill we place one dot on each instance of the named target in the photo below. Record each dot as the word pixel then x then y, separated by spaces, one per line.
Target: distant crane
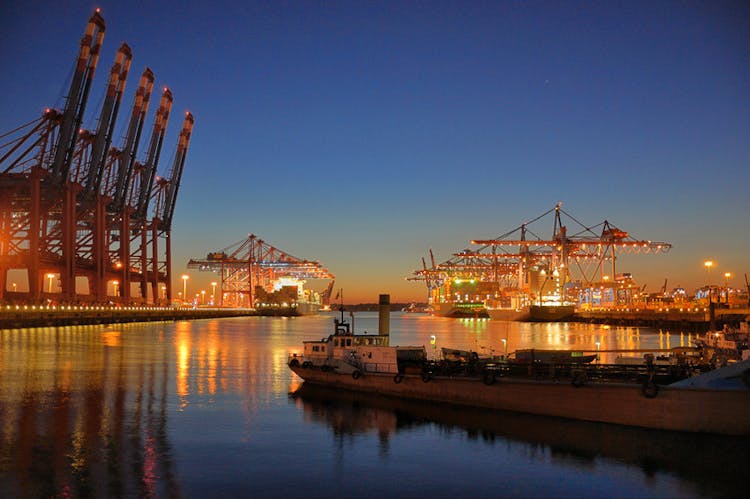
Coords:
pixel 251 264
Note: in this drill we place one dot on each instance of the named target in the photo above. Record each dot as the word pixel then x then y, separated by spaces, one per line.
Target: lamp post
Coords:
pixel 14 287
pixel 163 292
pixel 50 277
pixel 597 351
pixel 727 275
pixel 185 278
pixel 708 264
pixel 203 296
pixel 213 293
pixel 505 347
pixel 115 283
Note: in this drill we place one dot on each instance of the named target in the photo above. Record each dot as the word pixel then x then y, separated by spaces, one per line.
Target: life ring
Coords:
pixel 488 378
pixel 746 377
pixel 307 364
pixel 293 363
pixel 579 379
pixel 650 389
pixel 426 377
pixel 398 379
pixel 356 374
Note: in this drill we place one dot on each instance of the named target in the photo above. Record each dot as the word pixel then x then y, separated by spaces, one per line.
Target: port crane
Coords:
pixel 251 267
pixel 74 206
pixel 523 260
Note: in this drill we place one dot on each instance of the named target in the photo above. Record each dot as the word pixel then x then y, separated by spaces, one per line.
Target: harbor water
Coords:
pixel 209 408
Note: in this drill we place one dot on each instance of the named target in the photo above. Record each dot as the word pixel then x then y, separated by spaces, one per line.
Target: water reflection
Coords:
pixel 709 463
pixel 200 408
pixel 82 417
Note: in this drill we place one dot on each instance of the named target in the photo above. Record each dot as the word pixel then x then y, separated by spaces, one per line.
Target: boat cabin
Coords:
pixel 344 350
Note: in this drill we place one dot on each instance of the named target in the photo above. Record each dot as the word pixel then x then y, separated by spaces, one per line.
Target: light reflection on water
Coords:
pixel 202 408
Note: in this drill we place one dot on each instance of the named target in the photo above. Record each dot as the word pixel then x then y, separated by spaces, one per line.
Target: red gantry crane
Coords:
pixel 74 207
pixel 251 270
pixel 523 261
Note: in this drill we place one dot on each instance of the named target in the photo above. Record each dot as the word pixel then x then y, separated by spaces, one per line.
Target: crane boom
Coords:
pixel 176 174
pixel 148 173
pixel 132 139
pixel 75 105
pixel 107 119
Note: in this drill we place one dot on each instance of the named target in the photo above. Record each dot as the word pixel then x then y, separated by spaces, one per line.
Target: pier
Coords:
pixel 695 318
pixel 27 316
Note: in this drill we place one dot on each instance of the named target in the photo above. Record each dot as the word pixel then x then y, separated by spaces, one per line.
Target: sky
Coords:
pixel 362 134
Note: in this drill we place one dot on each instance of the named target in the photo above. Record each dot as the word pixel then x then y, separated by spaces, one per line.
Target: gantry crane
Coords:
pixel 251 265
pixel 522 260
pixel 71 205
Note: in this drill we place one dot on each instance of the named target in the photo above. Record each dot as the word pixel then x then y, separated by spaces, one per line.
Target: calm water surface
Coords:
pixel 209 409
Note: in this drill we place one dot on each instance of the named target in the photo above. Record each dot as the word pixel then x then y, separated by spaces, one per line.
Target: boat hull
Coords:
pixel 546 313
pixel 458 311
pixel 676 409
pixel 509 314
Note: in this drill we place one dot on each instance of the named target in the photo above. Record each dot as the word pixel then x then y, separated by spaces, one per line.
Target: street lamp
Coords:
pixel 185 278
pixel 708 264
pixel 597 351
pixel 50 277
pixel 727 275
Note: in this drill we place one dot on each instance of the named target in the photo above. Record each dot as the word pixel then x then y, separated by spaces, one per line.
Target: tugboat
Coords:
pixel 685 394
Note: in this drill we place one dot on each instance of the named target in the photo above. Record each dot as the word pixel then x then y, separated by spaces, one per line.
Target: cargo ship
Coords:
pixel 686 394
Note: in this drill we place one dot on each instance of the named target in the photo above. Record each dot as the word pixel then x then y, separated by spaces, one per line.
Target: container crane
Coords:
pixel 68 199
pixel 252 264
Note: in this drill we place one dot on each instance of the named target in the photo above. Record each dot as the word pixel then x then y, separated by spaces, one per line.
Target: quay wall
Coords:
pixel 12 317
pixel 696 319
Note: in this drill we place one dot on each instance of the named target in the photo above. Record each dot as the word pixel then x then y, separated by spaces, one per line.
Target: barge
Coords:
pixel 686 394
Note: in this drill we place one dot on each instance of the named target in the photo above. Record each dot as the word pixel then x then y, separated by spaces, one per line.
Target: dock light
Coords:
pixel 185 278
pixel 163 292
pixel 203 296
pixel 50 277
pixel 115 284
pixel 727 275
pixel 708 264
pixel 505 346
pixel 213 289
pixel 597 350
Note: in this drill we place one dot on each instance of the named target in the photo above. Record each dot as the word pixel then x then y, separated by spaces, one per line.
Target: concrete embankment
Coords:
pixel 691 319
pixel 25 316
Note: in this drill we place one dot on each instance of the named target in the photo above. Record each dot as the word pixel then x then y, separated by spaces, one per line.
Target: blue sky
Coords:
pixel 363 133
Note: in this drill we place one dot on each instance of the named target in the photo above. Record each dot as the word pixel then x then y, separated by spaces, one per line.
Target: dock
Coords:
pixel 28 316
pixel 695 318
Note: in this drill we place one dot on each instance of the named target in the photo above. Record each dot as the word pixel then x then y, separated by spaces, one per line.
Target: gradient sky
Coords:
pixel 361 134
